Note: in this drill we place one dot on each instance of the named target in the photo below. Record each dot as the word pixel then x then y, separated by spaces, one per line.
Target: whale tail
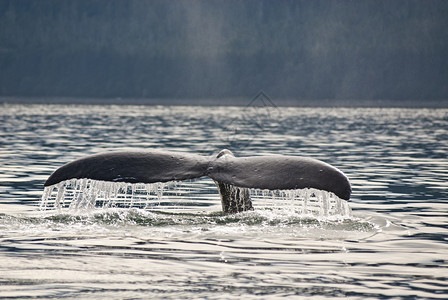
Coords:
pixel 234 176
pixel 234 199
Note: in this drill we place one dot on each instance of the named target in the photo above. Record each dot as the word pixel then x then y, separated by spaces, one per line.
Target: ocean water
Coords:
pixel 391 241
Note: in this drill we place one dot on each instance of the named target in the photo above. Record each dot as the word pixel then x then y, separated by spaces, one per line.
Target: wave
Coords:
pixel 124 217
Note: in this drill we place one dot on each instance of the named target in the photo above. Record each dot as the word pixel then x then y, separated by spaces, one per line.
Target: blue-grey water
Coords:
pixel 393 245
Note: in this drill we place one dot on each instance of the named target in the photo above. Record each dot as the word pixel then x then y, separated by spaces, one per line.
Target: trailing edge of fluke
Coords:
pixel 233 175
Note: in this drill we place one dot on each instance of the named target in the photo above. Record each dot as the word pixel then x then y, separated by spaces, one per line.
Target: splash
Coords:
pixel 87 194
pixel 307 202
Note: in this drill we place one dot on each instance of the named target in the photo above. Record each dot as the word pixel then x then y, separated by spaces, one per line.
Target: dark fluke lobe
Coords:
pixel 280 173
pixel 133 167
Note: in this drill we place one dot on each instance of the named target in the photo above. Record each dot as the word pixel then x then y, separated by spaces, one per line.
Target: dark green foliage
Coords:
pixel 372 49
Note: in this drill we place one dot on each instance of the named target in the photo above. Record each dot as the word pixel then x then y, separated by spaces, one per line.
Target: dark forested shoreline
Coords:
pixel 370 50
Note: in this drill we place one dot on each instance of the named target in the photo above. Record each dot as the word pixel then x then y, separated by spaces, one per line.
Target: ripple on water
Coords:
pixel 393 246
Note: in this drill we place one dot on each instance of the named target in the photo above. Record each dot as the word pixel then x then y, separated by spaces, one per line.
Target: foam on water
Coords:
pixel 86 194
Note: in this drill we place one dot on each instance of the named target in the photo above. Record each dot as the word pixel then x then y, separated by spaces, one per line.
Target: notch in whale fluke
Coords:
pixel 275 172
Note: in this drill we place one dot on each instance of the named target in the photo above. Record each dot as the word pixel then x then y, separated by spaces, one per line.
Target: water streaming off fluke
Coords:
pixel 86 194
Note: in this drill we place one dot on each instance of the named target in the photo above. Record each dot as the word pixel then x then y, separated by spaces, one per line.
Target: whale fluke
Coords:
pixel 280 172
pixel 133 167
pixel 232 175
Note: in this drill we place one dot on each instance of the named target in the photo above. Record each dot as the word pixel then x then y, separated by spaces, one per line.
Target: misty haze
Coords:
pixel 293 50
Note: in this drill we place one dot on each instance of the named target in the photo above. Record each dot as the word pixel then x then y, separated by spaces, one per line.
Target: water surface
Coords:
pixel 393 245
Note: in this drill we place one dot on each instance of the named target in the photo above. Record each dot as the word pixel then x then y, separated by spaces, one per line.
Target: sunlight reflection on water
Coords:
pixel 395 245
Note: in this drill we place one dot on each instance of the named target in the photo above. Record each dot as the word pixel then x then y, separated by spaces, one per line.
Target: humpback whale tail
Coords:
pixel 234 176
